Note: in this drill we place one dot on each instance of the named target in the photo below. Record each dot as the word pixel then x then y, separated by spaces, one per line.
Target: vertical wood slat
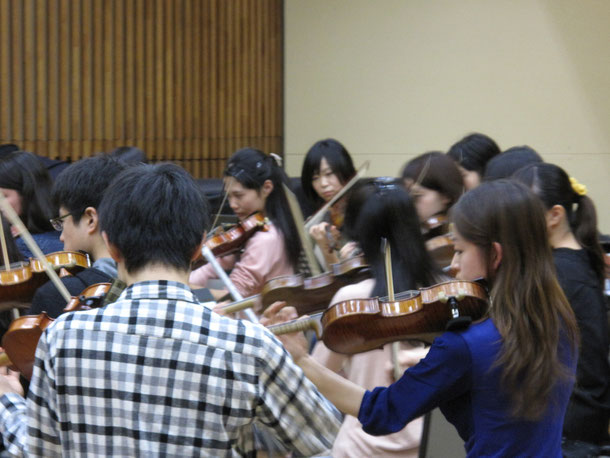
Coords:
pixel 185 80
pixel 6 130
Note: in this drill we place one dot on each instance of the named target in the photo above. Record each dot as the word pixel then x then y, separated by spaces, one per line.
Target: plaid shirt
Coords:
pixel 157 374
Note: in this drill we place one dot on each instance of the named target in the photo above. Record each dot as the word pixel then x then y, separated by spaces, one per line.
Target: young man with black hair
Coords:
pixel 156 373
pixel 77 192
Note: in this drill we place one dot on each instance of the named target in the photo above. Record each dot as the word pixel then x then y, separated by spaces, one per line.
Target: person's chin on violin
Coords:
pixel 79 190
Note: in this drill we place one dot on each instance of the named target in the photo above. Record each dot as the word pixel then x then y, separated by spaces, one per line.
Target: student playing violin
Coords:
pixel 435 183
pixel 26 184
pixel 378 210
pixel 78 191
pixel 155 373
pixel 572 227
pixel 326 169
pixel 505 381
pixel 253 182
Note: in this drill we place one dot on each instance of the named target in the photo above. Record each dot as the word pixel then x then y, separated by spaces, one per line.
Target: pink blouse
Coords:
pixel 264 257
pixel 369 370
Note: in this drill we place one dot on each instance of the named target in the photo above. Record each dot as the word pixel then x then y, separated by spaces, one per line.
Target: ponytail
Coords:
pixel 552 184
pixel 584 227
pixel 252 167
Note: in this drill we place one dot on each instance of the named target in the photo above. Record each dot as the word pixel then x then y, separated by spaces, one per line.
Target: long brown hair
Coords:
pixel 528 306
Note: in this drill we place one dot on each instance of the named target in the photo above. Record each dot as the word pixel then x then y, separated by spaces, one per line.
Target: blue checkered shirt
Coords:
pixel 158 374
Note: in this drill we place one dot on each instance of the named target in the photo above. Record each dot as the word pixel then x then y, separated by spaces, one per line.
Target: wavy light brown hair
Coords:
pixel 529 308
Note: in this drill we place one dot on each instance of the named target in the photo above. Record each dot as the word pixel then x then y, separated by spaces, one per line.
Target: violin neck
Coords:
pixel 300 324
pixel 243 304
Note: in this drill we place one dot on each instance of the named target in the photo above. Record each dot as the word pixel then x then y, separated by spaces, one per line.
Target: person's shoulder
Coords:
pixel 243 337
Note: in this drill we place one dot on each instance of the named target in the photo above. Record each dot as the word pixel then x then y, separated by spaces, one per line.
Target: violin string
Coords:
pixel 222 204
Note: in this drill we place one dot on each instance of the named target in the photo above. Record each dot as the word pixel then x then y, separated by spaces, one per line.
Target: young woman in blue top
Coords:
pixel 505 381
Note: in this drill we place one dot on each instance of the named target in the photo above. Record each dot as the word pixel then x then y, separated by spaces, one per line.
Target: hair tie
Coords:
pixel 277 158
pixel 578 188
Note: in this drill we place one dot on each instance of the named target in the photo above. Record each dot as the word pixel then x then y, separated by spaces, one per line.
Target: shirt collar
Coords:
pixel 159 289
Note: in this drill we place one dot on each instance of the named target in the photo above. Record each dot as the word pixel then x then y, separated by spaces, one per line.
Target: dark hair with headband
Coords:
pixel 552 184
pixel 379 209
pixel 26 174
pixel 252 167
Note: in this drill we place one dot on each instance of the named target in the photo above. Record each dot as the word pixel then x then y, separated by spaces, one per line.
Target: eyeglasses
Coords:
pixel 58 223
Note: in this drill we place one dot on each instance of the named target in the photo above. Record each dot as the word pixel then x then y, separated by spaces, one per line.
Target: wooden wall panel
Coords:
pixel 188 81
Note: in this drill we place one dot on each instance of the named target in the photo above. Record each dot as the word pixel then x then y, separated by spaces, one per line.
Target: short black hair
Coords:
pixel 474 151
pixel 511 160
pixel 84 182
pixel 154 214
pixel 339 161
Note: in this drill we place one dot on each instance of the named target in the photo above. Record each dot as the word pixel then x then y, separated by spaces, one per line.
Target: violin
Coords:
pixel 435 226
pixel 306 294
pixel 22 279
pixel 21 339
pixel 359 325
pixel 311 294
pixel 231 239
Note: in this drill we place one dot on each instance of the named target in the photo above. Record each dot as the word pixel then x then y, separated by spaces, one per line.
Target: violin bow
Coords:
pixel 33 246
pixel 222 275
pixel 390 287
pixel 319 215
pixel 300 225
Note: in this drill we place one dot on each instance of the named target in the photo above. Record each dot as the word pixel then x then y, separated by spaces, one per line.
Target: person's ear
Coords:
pixel 496 255
pixel 267 188
pixel 91 219
pixel 554 216
pixel 112 249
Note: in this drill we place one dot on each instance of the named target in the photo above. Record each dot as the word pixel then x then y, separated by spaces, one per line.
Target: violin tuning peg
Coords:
pixel 461 294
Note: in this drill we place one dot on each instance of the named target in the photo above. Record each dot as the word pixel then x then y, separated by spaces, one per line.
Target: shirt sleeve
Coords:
pixel 444 374
pixel 13 423
pixel 301 418
pixel 260 255
pixel 43 430
pixel 201 275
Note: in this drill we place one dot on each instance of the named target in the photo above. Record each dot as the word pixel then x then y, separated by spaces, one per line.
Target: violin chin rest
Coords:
pixel 458 323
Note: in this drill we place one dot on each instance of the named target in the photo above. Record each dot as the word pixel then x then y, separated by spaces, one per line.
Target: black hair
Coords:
pixel 251 167
pixel 26 174
pixel 473 152
pixel 552 184
pixel 382 209
pixel 83 183
pixel 511 160
pixel 129 155
pixel 339 161
pixel 154 214
pixel 6 148
pixel 437 171
pixel 12 250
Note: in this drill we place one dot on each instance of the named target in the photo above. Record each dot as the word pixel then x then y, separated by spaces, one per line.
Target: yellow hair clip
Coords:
pixel 578 188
